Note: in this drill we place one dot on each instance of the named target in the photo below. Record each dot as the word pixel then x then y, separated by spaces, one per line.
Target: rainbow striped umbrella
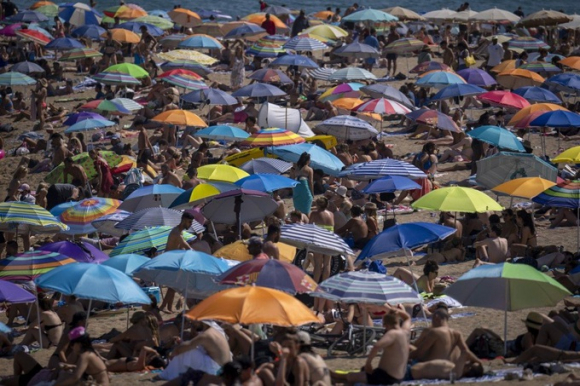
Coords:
pixel 528 43
pixel 266 50
pixel 185 81
pixel 29 265
pixel 80 53
pixel 273 39
pixel 563 195
pixel 540 67
pixel 115 78
pixel 80 216
pixel 14 214
pixel 382 106
pixel 142 241
pixel 272 137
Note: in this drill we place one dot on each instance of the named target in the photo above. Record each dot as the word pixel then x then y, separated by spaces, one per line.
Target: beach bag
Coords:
pixel 469 61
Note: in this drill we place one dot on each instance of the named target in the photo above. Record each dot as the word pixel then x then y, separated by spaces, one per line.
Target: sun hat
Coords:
pixel 304 338
pixel 341 191
pixel 534 320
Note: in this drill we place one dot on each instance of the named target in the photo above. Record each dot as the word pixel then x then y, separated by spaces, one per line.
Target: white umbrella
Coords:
pixel 345 127
pixel 351 73
pixel 496 15
pixel 314 239
pixel 440 15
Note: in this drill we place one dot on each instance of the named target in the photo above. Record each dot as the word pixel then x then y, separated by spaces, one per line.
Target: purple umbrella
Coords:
pixel 10 30
pixel 477 77
pixel 77 117
pixel 78 250
pixel 12 293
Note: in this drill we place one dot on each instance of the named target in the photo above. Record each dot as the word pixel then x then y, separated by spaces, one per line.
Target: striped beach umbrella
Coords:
pixel 379 168
pixel 106 224
pixel 404 45
pixel 29 265
pixel 151 196
pixel 344 90
pixel 80 53
pixel 150 217
pixel 185 81
pixel 527 43
pixel 382 106
pixel 119 105
pixel 79 16
pixel 15 214
pixel 272 137
pixel 304 44
pixel 142 241
pixel 180 71
pixel 33 36
pixel 201 41
pixel 351 73
pixel 321 73
pixel 16 79
pixel 266 50
pixel 274 39
pixel 115 78
pixel 80 216
pixel 541 68
pixel 439 79
pixel 314 238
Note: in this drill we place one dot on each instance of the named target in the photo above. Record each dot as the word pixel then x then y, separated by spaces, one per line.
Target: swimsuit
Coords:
pixel 568 343
pixel 381 377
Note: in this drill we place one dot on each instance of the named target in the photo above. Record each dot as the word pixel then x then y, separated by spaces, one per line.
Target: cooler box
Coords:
pixel 155 291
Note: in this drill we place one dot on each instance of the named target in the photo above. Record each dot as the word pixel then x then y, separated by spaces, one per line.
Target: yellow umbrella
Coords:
pixel 327 31
pixel 571 156
pixel 238 251
pixel 123 36
pixel 457 199
pixel 191 55
pixel 198 195
pixel 314 36
pixel 220 172
pixel 533 108
pixel 185 17
pixel 527 187
pixel 506 65
pixel 180 118
pixel 254 305
pixel 519 78
pixel 572 62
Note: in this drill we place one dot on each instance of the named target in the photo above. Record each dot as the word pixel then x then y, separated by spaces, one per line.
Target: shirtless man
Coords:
pixel 393 363
pixel 40 97
pixel 356 227
pixel 251 127
pixel 175 241
pixel 198 158
pixel 169 177
pixel 270 248
pixel 493 249
pixel 59 152
pixel 77 173
pixel 319 373
pixel 192 181
pixel 324 219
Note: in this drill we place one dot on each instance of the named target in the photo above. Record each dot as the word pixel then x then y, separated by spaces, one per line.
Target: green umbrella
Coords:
pixel 50 10
pixel 156 21
pixel 83 159
pixel 141 241
pixel 16 79
pixel 129 69
pixel 457 199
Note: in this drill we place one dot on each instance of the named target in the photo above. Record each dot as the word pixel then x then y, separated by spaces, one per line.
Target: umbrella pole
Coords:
pixel 214 231
pixel 505 322
pixel 414 280
pixel 183 313
pixel 38 321
pixel 128 318
pixel 89 312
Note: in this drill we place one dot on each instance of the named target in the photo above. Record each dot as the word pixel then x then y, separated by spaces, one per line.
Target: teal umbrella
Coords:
pixel 128 263
pixel 370 15
pixel 498 137
pixel 16 79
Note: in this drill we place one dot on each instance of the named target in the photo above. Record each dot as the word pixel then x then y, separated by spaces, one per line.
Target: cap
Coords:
pixel 78 317
pixel 534 320
pixel 76 333
pixel 341 191
pixel 304 338
pixel 24 188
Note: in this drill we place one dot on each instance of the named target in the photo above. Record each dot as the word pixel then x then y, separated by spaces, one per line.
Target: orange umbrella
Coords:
pixel 523 113
pixel 323 15
pixel 519 78
pixel 347 103
pixel 123 36
pixel 180 118
pixel 258 18
pixel 238 251
pixel 254 305
pixel 505 66
pixel 572 62
pixel 41 3
pixel 185 17
pixel 126 13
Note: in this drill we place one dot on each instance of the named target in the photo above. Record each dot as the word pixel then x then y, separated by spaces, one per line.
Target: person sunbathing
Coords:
pixel 493 249
pixel 143 332
pixel 454 252
pixel 50 327
pixel 148 357
pixel 424 283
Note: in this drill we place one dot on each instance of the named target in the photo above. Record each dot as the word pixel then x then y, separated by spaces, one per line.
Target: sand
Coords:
pixel 565 237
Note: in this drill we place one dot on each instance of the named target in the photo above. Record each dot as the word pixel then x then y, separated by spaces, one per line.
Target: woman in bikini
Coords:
pixel 50 327
pixel 526 237
pixel 109 49
pixel 426 282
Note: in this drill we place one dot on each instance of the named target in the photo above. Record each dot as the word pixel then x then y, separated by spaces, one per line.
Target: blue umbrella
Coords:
pixel 390 184
pixel 27 68
pixel 27 17
pixel 439 79
pixel 222 132
pixel 477 77
pixel 159 13
pixel 210 96
pixel 79 16
pixel 370 15
pixel 207 14
pixel 564 82
pixel 200 41
pixel 558 118
pixel 266 182
pixel 456 90
pixel 151 196
pixel 257 90
pixel 404 237
pixel 91 31
pixel 294 60
pixel 94 282
pixel 77 117
pixel 89 124
pixel 246 30
pixel 357 50
pixel 63 44
pixel 383 167
pixel 319 158
pixel 264 165
pixel 498 137
pixel 135 26
pixel 57 210
pixel 537 94
pixel 128 263
pixel 306 44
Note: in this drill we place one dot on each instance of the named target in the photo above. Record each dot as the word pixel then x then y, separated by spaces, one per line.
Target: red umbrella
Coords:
pixel 180 71
pixel 504 99
pixel 382 106
pixel 430 66
pixel 34 36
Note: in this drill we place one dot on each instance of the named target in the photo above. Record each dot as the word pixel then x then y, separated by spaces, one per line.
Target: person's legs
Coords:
pixel 405 276
pixel 435 369
pixel 23 363
pixel 541 354
pixel 168 300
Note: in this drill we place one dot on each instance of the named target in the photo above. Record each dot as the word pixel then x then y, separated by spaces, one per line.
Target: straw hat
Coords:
pixel 370 206
pixel 341 191
pixel 534 320
pixel 43 82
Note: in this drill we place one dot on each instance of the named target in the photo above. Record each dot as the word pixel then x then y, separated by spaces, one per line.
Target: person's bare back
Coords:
pixel 497 250
pixel 175 240
pixel 396 355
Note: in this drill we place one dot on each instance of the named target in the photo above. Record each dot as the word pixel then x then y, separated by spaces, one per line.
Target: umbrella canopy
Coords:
pixel 304 44
pixel 321 73
pixel 81 280
pixel 252 305
pixel 220 172
pixel 537 94
pixel 346 127
pixel 245 30
pixel 157 21
pixel 269 75
pixel 477 77
pixel 440 14
pixel 78 117
pixel 222 133
pixel 83 159
pixel 258 90
pixel 238 251
pixel 187 56
pixel 357 50
pixel 79 16
pixel 151 217
pixel 457 199
pixel 106 224
pixel 180 118
pixel 16 213
pixel 266 182
pixel 525 112
pixel 88 125
pixel 142 241
pixel 180 72
pixel 390 184
pixel 498 137
pixel 319 158
pixel 404 237
pixel 272 137
pixel 571 61
pixel 430 66
pixel 151 196
pixel 239 206
pixel 185 81
pixel 264 165
pixel 16 79
pixel 565 194
pixel 404 14
pixel 266 50
pixel 129 69
pixel 519 78
pixel 388 92
pixel 379 168
pixel 27 17
pixel 351 73
pixel 189 272
pixel 527 43
pixel 439 79
pixel 63 44
pixel 79 53
pixel 544 18
pixel 78 250
pixel 526 187
pixel 326 31
pixel 571 155
pixel 315 239
pixel 198 195
pixel 557 118
pixel 11 293
pixel 29 265
pixel 343 90
pixel 541 68
pixel 115 78
pixel 200 41
pixel 294 60
pixel 370 15
pixel 27 68
pixel 274 274
pixel 504 166
pixel 457 90
pixel 564 82
pixel 185 17
pixel 404 45
pixel 367 287
pixel 34 36
pixel 259 18
pixel 495 15
pixel 382 106
pixel 135 26
pixel 80 216
pixel 434 118
pixel 210 96
pixel 127 263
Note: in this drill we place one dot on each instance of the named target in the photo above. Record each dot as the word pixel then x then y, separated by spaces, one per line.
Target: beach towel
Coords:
pixel 302 197
pixel 196 359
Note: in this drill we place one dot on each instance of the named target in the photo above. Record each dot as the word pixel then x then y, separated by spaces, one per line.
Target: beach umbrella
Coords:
pixel 266 50
pixel 319 158
pixel 238 251
pixel 34 36
pixel 16 79
pixel 404 45
pixel 382 106
pixel 564 82
pixel 135 26
pixel 200 41
pixel 278 10
pixel 537 94
pixel 27 17
pixel 106 224
pixel 91 31
pixel 80 216
pixel 144 240
pixel 526 111
pixel 275 39
pixel 79 250
pixel 220 173
pixel 150 217
pixel 180 118
pixel 404 14
pixel 58 209
pixel 571 61
pixel 151 196
pixel 222 133
pixel 346 127
pixel 35 218
pixel 498 137
pixel 12 293
pixel 541 68
pixel 264 165
pixel 321 73
pixel 495 15
pixel 181 71
pixel 571 156
pixel 326 31
pixel 525 187
pixel 187 65
pixel 457 199
pixel 506 65
pixel 379 168
pixel 89 124
pixel 258 90
pixel 185 81
pixel 270 75
pixel 115 78
pixel 544 18
pixel 125 11
pixel 197 195
pixel 314 239
pixel 527 43
pixel 430 66
pixel 29 265
pixel 253 305
pixel 558 118
pixel 79 53
pixel 10 30
pixel 505 166
pixel 78 117
pixel 388 92
pixel 267 183
pixel 439 79
pixel 519 78
pixel 244 30
pixel 274 274
pixel 304 44
pixel 122 35
pixel 507 287
pixel 390 184
pixel 351 103
pixel 184 17
pixel 79 16
pixel 259 18
pixel 209 14
pixel 505 99
pixel 440 15
pixel 119 104
pixel 343 90
pixel 156 21
pixel 357 50
pixel 351 73
pixel 239 206
pixel 434 118
pixel 457 90
pixel 272 137
pixel 128 263
pixel 63 44
pixel 27 68
pixel 172 41
pixel 81 280
pixel 370 15
pixel 41 3
pixel 477 77
pixel 294 60
pixel 83 159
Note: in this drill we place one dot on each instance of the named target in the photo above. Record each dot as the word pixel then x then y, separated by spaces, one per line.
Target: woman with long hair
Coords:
pixel 526 236
pixel 304 174
pixel 88 364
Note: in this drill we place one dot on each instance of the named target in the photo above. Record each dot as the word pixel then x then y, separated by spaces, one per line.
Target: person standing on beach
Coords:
pixel 495 54
pixel 372 41
pixel 39 96
pixel 263 6
pixel 391 56
pixel 300 24
pixel 269 25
